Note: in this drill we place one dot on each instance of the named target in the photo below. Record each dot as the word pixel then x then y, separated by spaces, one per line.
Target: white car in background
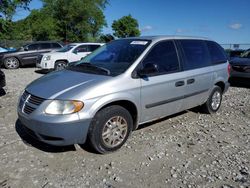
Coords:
pixel 59 59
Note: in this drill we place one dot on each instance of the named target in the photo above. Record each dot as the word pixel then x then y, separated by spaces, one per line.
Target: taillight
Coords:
pixel 228 70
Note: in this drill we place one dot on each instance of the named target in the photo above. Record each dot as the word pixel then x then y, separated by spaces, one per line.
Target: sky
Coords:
pixel 225 21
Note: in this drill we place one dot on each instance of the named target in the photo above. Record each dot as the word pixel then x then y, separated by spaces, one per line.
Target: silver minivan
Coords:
pixel 123 84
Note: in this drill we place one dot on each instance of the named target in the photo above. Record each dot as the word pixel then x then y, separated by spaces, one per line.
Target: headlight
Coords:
pixel 47 58
pixel 57 107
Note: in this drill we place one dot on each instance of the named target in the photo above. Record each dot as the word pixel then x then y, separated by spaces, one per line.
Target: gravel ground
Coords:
pixel 185 150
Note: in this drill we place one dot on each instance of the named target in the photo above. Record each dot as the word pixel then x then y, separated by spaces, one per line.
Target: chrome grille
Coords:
pixel 28 109
pixel 28 103
pixel 35 100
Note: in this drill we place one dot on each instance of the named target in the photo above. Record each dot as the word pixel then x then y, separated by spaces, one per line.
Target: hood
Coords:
pixel 240 61
pixel 64 84
pixel 56 54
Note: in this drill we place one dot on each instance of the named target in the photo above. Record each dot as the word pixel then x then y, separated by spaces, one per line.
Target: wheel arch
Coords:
pixel 128 105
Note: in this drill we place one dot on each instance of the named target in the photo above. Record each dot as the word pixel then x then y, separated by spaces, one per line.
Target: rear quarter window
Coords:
pixel 195 54
pixel 217 53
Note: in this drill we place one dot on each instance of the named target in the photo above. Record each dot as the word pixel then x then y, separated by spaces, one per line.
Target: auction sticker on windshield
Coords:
pixel 139 42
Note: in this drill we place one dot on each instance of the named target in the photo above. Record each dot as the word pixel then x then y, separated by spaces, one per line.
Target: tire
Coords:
pixel 60 65
pixel 213 102
pixel 110 129
pixel 11 63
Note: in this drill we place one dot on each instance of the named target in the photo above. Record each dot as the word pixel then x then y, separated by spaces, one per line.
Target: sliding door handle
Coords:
pixel 179 83
pixel 190 81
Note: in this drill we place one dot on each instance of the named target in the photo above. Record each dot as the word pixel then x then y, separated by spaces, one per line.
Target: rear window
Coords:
pixel 195 53
pixel 217 54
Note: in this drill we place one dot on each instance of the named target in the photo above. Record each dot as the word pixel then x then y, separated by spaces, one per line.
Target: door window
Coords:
pixel 33 47
pixel 93 47
pixel 45 46
pixel 196 54
pixel 56 45
pixel 163 57
pixel 80 49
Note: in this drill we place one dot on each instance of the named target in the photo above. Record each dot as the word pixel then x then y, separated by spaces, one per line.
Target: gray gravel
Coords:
pixel 186 150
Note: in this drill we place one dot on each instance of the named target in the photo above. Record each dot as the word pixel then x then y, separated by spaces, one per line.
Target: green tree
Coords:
pixel 7 10
pixel 8 7
pixel 127 26
pixel 77 20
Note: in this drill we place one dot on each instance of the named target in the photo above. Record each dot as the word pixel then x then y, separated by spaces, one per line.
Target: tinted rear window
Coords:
pixel 217 53
pixel 195 53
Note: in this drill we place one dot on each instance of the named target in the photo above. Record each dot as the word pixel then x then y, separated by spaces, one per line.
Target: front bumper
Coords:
pixel 56 132
pixel 45 64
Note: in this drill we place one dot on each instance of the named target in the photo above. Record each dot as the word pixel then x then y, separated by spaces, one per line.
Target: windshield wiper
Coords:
pixel 90 66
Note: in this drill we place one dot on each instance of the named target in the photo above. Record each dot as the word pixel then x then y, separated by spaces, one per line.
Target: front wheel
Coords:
pixel 11 63
pixel 110 129
pixel 60 65
pixel 213 102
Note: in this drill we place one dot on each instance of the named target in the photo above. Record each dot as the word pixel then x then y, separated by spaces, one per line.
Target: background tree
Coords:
pixel 7 10
pixel 77 20
pixel 8 7
pixel 127 26
pixel 106 38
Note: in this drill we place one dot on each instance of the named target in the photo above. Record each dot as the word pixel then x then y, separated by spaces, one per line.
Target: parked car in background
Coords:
pixel 59 59
pixel 2 79
pixel 234 53
pixel 240 67
pixel 27 54
pixel 121 85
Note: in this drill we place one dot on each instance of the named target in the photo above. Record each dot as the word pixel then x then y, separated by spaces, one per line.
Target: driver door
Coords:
pixel 162 91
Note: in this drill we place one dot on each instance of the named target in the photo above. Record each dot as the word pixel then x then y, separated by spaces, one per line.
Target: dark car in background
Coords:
pixel 240 67
pixel 2 79
pixel 27 54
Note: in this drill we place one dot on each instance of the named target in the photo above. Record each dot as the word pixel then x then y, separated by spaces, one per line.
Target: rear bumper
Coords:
pixel 59 134
pixel 236 74
pixel 2 80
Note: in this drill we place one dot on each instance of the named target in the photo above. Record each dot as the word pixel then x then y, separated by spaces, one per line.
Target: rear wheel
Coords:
pixel 60 65
pixel 11 63
pixel 110 129
pixel 213 103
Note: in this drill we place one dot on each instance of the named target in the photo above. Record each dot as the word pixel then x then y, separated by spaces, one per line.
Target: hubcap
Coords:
pixel 114 131
pixel 11 63
pixel 60 66
pixel 216 100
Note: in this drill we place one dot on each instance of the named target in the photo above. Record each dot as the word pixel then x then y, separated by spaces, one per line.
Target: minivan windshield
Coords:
pixel 66 48
pixel 113 58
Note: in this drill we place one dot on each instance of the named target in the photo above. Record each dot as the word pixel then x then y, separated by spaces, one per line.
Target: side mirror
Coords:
pixel 26 48
pixel 148 69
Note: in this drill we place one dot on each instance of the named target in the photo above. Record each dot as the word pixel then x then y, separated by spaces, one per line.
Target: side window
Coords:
pixel 82 48
pixel 33 47
pixel 217 54
pixel 93 47
pixel 55 45
pixel 195 53
pixel 164 57
pixel 45 46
